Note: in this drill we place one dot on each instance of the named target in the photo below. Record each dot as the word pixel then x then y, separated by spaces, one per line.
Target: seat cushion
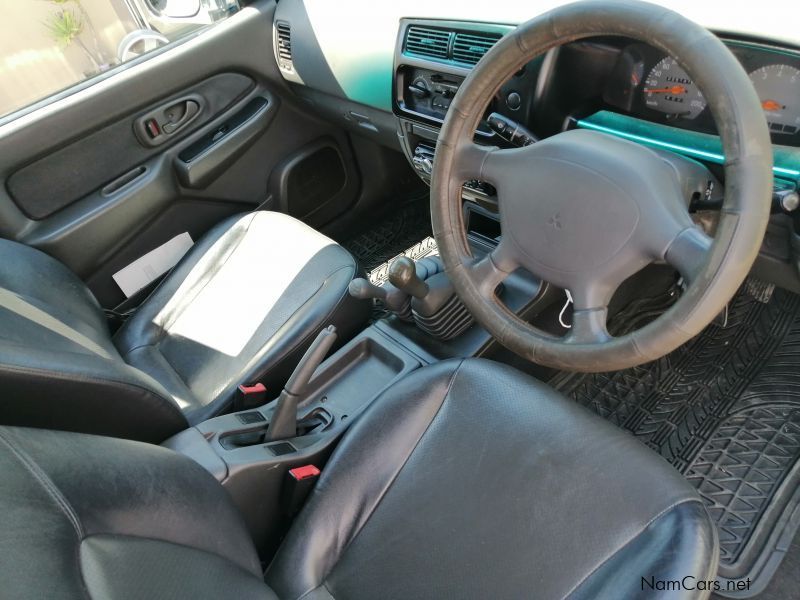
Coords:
pixel 471 480
pixel 242 306
pixel 91 517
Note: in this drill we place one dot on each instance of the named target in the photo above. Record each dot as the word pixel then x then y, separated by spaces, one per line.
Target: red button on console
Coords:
pixel 304 472
pixel 258 388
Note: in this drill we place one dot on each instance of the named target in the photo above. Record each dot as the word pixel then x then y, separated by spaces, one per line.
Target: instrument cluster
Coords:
pixel 646 84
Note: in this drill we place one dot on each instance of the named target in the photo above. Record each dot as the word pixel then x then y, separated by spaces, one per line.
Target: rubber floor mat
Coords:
pixel 401 230
pixel 724 410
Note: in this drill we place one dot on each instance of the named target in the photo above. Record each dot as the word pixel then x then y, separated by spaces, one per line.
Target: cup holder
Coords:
pixel 317 421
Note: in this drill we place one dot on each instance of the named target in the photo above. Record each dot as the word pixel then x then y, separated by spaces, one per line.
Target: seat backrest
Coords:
pixel 93 517
pixel 58 366
pixel 471 480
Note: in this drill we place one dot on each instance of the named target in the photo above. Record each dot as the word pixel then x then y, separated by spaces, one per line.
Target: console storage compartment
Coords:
pixel 232 447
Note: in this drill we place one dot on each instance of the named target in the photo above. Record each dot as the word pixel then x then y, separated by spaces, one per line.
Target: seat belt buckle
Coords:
pixel 298 485
pixel 249 396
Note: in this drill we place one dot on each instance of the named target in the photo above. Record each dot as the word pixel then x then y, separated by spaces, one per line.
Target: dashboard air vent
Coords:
pixel 469 48
pixel 284 41
pixel 427 41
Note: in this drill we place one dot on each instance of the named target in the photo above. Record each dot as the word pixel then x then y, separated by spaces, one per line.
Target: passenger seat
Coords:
pixel 241 307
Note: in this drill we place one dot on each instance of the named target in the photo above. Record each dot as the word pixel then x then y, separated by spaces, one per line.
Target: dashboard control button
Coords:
pixel 513 101
pixel 787 200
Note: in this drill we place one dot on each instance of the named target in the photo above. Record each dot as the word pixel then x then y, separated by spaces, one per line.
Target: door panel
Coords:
pixel 103 156
pixel 82 183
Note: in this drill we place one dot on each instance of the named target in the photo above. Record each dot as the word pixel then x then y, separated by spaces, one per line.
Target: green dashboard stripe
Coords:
pixel 690 143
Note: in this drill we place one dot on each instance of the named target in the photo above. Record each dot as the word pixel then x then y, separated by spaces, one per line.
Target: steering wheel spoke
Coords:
pixel 688 252
pixel 471 159
pixel 491 270
pixel 589 326
pixel 488 163
pixel 590 300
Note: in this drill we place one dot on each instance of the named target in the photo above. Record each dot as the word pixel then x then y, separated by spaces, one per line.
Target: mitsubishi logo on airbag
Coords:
pixel 555 221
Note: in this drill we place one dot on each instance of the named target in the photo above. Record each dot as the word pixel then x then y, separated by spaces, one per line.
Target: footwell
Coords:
pixel 725 411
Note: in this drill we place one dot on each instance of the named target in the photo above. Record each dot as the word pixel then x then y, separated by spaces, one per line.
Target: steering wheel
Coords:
pixel 584 210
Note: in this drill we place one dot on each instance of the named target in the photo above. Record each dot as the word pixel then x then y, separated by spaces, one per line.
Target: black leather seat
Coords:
pixel 242 306
pixel 465 480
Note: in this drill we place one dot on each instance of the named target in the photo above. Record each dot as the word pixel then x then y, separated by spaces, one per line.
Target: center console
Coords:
pixel 256 470
pixel 432 60
pixel 255 452
pixel 235 447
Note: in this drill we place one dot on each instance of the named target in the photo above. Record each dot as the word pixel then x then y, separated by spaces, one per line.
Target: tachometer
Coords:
pixel 668 89
pixel 778 87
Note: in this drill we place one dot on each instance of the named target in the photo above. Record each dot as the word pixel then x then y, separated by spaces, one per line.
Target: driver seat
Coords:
pixel 465 480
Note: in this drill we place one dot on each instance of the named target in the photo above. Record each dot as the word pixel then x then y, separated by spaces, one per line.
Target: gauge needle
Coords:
pixel 675 89
pixel 772 105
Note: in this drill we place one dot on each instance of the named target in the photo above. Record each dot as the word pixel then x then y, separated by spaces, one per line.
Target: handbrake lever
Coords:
pixel 283 424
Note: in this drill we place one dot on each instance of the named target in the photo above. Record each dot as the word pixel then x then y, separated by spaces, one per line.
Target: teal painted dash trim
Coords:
pixel 717 158
pixel 690 143
pixel 783 171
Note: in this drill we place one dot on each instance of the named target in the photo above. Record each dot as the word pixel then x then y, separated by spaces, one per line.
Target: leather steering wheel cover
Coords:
pixel 748 177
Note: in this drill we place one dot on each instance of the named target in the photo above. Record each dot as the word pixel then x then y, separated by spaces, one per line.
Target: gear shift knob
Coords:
pixel 394 299
pixel 403 275
pixel 364 290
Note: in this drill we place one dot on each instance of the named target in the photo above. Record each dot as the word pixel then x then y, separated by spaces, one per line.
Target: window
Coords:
pixel 50 45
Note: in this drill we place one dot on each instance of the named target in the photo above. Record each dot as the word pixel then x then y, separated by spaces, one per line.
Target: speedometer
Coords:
pixel 778 88
pixel 669 89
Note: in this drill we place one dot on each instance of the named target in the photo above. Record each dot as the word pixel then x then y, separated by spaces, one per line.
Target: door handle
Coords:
pixel 156 126
pixel 178 115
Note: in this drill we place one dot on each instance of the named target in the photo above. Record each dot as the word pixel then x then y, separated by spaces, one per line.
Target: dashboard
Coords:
pixel 614 74
pixel 392 77
pixel 616 85
pixel 364 62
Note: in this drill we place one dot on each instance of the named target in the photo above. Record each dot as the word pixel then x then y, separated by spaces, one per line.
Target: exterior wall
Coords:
pixel 33 65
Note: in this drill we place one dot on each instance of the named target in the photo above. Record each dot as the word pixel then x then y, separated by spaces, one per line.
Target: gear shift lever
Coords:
pixel 403 275
pixel 283 424
pixel 435 308
pixel 394 299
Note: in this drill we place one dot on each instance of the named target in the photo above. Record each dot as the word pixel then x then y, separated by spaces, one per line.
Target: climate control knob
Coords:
pixel 419 89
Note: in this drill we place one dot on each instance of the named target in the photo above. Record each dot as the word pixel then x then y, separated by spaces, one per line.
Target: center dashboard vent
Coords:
pixel 461 47
pixel 427 41
pixel 469 48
